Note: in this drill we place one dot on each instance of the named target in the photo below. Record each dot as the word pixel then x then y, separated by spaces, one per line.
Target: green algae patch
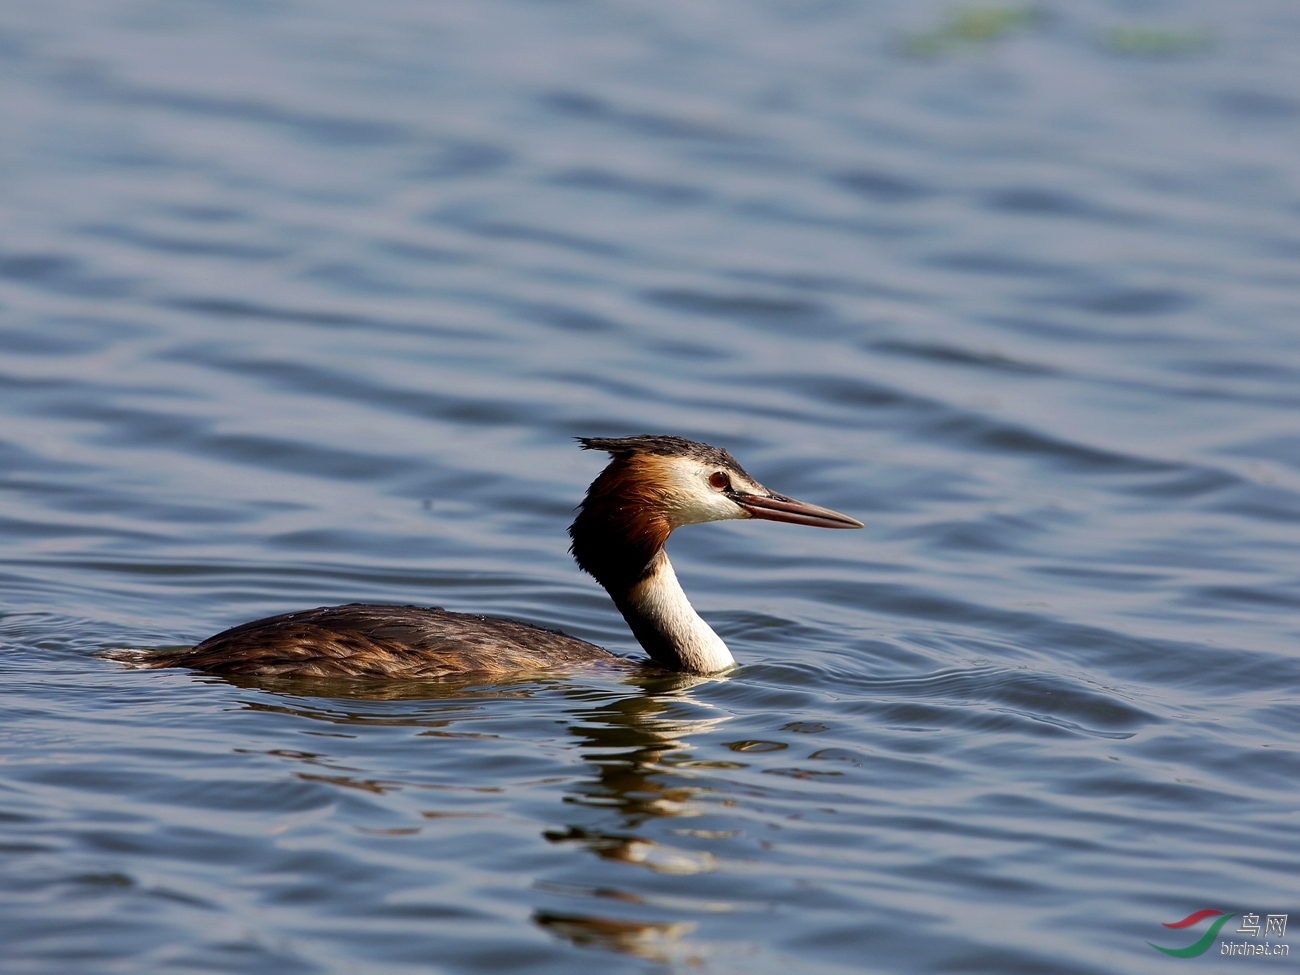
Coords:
pixel 971 27
pixel 1137 40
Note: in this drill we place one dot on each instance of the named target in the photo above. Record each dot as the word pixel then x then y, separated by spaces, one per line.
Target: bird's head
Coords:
pixel 655 484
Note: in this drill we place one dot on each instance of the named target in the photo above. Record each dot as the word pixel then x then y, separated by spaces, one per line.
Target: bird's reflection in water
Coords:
pixel 655 941
pixel 626 740
pixel 625 729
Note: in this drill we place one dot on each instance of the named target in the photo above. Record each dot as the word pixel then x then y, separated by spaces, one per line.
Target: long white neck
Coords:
pixel 666 624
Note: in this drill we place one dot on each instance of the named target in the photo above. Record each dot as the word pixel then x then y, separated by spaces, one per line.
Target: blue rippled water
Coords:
pixel 303 304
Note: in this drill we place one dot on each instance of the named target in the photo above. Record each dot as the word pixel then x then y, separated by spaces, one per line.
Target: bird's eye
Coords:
pixel 719 480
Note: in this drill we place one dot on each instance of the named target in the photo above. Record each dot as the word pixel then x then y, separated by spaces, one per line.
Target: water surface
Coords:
pixel 304 303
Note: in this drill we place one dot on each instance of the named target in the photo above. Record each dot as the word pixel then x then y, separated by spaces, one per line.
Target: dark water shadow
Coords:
pixel 431 690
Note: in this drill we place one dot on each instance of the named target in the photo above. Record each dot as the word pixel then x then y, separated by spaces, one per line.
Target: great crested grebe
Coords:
pixel 652 485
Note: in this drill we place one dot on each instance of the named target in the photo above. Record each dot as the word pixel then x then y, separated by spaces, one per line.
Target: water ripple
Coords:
pixel 303 304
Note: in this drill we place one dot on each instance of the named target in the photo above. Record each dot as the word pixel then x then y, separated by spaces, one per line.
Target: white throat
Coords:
pixel 666 623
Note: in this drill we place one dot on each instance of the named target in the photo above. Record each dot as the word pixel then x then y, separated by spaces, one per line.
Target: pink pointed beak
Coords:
pixel 775 507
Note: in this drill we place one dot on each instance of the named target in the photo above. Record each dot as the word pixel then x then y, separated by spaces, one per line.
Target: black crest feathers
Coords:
pixel 647 443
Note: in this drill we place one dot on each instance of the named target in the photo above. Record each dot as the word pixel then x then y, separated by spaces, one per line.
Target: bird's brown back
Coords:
pixel 365 640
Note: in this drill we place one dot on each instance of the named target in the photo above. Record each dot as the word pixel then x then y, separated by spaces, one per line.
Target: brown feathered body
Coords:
pixel 379 641
pixel 652 485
